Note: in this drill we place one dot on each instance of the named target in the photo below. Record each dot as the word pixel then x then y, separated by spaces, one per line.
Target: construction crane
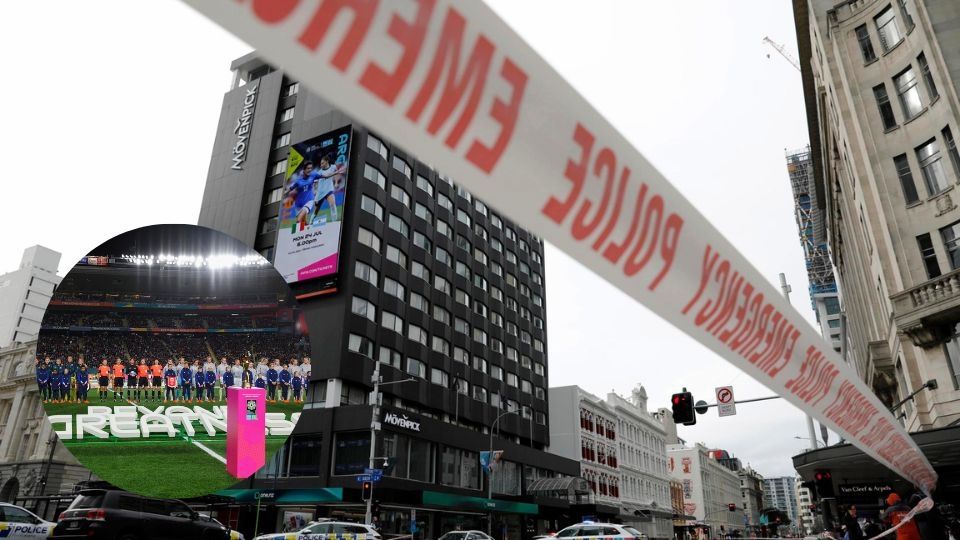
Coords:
pixel 783 52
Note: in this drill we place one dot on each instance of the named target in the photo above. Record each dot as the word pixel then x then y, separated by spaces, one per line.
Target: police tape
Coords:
pixel 453 84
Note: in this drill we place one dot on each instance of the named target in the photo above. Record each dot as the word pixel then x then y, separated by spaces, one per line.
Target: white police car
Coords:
pixel 16 523
pixel 328 530
pixel 593 530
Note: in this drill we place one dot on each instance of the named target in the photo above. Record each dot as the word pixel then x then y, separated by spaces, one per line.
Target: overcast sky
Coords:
pixel 109 111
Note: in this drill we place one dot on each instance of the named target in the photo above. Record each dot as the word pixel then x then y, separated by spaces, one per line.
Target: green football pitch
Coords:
pixel 161 466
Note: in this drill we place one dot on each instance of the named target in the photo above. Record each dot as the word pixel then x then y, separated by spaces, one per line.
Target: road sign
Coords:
pixel 373 471
pixel 701 407
pixel 726 406
pixel 364 478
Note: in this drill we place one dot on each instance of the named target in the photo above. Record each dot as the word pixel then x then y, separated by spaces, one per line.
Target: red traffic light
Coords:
pixel 676 399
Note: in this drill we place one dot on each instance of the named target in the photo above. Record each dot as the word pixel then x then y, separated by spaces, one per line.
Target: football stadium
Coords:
pixel 143 339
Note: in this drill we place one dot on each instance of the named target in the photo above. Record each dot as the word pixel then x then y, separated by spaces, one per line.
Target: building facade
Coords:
pixel 781 493
pixel 621 448
pixel 33 463
pixel 880 81
pixel 434 286
pixel 805 506
pixel 751 492
pixel 709 488
pixel 24 294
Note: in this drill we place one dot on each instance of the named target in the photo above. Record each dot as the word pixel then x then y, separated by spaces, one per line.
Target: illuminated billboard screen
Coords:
pixel 315 184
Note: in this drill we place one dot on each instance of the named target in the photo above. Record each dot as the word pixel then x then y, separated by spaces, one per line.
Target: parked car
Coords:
pixel 342 529
pixel 115 514
pixel 589 529
pixel 465 535
pixel 234 535
pixel 17 522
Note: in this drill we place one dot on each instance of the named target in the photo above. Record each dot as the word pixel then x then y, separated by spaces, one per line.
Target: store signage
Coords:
pixel 242 129
pixel 864 490
pixel 401 421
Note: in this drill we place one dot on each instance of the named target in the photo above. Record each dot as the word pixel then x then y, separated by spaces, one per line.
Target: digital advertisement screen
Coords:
pixel 308 236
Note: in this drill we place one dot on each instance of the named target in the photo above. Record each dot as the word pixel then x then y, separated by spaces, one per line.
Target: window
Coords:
pixel 438 376
pixel 511 352
pixel 287 115
pixel 524 268
pixel 364 308
pixel 511 280
pixel 464 193
pixel 832 303
pixel 480 231
pixel 461 386
pixel 459 468
pixel 275 195
pixel 464 217
pixel 907 18
pixel 510 234
pixel 906 85
pixel 496 245
pixel 417 334
pixel 480 308
pixel 525 337
pixel 496 293
pixel 496 372
pixel 420 240
pixel 866 45
pixel 951 149
pixel 377 146
pixel 952 348
pixel 416 368
pixel 397 223
pixel 360 344
pixel 281 141
pixel 525 386
pixel 525 361
pixel 461 355
pixel 444 202
pixel 440 345
pixel 887 28
pixel 927 77
pixel 292 89
pixel 374 175
pixel 951 242
pixel 495 221
pixel 460 325
pixel 390 357
pixel 441 315
pixel 479 364
pixel 393 288
pixel 886 110
pixel 400 195
pixel 423 184
pixel 538 368
pixel 463 270
pixel 461 297
pixel 419 302
pixel 366 272
pixel 538 300
pixel 480 207
pixel 441 284
pixel 480 393
pixel 541 420
pixel 906 178
pixel 401 165
pixel 423 213
pixel 391 321
pixel 412 459
pixel 266 226
pixel 479 336
pixel 496 345
pixel 419 270
pixel 479 256
pixel 496 269
pixel 443 256
pixel 463 243
pixel 371 206
pixel 930 163
pixel 279 167
pixel 512 379
pixel 496 319
pixel 395 255
pixel 444 228
pixel 538 345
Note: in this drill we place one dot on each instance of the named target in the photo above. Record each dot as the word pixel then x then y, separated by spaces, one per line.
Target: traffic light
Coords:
pixel 824 482
pixel 732 507
pixel 367 491
pixel 683 412
pixel 375 509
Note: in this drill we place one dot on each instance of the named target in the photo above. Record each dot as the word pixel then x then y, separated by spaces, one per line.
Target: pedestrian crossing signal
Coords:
pixel 367 491
pixel 683 412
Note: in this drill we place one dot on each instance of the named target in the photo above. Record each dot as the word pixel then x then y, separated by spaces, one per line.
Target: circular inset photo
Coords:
pixel 173 361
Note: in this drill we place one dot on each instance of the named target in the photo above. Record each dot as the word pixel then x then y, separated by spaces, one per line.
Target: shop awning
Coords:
pixel 284 496
pixel 568 484
pixel 450 500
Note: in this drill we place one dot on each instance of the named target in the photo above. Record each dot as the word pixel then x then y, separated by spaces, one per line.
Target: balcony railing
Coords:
pixel 929 312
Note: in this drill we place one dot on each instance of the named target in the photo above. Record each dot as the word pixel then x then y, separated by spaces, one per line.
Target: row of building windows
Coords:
pixel 890 31
pixel 929 158
pixel 906 84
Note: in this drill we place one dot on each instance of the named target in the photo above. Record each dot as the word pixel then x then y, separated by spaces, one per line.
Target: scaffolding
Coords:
pixel 809 224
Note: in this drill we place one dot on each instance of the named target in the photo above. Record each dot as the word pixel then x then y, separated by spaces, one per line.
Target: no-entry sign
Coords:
pixel 726 406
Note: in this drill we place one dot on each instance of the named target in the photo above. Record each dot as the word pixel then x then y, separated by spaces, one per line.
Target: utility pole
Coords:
pixel 810 431
pixel 376 399
pixel 490 471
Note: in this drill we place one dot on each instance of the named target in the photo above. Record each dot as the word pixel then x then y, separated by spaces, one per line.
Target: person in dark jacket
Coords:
pixel 930 523
pixel 850 523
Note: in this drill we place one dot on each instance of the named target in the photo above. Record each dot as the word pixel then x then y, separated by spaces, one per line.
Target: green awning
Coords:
pixel 284 496
pixel 435 498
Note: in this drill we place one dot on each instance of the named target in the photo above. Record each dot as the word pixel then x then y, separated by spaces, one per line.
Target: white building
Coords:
pixel 708 487
pixel 804 501
pixel 622 452
pixel 24 294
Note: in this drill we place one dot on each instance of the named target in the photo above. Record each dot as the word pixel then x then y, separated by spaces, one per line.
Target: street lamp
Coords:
pixel 931 384
pixel 493 426
pixel 375 399
pixel 815 441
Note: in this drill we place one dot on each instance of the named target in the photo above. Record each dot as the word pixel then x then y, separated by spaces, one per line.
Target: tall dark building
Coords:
pixel 429 282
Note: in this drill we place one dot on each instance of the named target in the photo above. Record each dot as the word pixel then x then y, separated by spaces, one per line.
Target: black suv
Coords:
pixel 114 514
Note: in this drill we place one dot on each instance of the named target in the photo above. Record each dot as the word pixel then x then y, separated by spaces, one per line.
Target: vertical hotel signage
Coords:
pixel 308 235
pixel 242 129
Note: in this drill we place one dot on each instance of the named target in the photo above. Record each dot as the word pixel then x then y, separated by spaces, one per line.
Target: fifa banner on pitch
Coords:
pixel 453 84
pixel 308 235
